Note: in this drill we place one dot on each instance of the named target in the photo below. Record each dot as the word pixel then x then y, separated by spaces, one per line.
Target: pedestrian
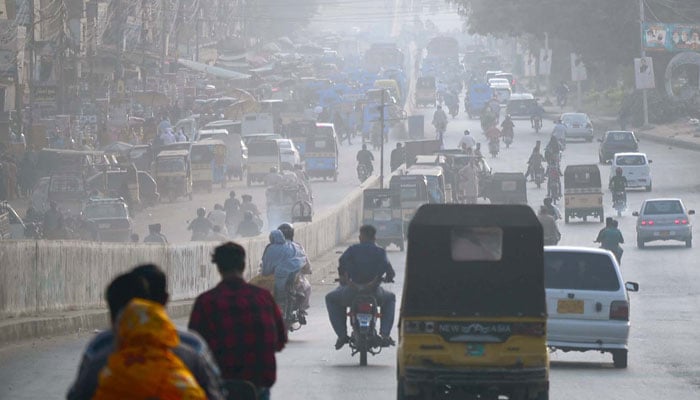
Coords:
pixel 241 323
pixel 550 230
pixel 398 157
pixel 146 282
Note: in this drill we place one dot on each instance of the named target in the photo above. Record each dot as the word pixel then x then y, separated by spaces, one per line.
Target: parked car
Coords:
pixel 588 304
pixel 616 142
pixel 578 126
pixel 289 155
pixel 635 167
pixel 664 219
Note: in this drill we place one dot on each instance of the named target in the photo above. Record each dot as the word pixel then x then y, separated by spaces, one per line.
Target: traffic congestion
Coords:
pixel 413 212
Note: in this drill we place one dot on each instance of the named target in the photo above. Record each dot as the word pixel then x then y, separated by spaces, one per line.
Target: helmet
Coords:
pixel 287 230
pixel 618 170
pixel 201 212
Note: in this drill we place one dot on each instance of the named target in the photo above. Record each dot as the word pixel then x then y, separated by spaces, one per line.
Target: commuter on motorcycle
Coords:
pixel 248 206
pixel 282 260
pixel 493 134
pixel 303 283
pixel 536 116
pixel 365 157
pixel 553 174
pixel 362 264
pixel 551 208
pixel 440 122
pixel 535 161
pixel 618 186
pixel 562 91
pixel 610 238
pixel 273 178
pixel 559 132
pixel 549 227
pixel 452 103
pixel 552 153
pixel 507 127
pixel 200 226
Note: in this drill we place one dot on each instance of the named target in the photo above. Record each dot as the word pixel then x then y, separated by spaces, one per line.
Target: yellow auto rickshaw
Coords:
pixel 208 164
pixel 583 194
pixel 473 313
pixel 173 174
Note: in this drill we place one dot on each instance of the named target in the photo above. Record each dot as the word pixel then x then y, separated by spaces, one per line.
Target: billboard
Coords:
pixel 545 62
pixel 670 37
pixel 644 73
pixel 578 68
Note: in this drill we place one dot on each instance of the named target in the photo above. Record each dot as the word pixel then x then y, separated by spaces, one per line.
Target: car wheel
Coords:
pixel 640 243
pixel 689 242
pixel 620 358
pixel 648 188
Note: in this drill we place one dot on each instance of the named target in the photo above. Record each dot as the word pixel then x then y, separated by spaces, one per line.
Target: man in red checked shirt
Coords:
pixel 241 323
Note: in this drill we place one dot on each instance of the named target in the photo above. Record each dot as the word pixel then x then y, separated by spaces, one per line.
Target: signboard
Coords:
pixel 644 73
pixel 670 37
pixel 545 62
pixel 530 64
pixel 578 68
pixel 45 94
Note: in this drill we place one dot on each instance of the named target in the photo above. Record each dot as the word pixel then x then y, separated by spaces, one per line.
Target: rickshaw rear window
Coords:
pixel 409 193
pixel 171 165
pixel 476 244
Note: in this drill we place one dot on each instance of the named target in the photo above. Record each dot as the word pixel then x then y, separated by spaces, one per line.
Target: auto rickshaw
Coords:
pixel 287 203
pixel 425 91
pixel 208 164
pixel 263 155
pixel 412 191
pixel 583 195
pixel 173 174
pixel 382 209
pixel 321 157
pixel 435 176
pixel 507 188
pixel 473 314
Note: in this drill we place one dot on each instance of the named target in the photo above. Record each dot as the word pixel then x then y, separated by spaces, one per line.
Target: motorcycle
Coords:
pixel 537 122
pixel 364 313
pixel 363 172
pixel 538 176
pixel 291 304
pixel 508 140
pixel 554 190
pixel 619 202
pixel 494 147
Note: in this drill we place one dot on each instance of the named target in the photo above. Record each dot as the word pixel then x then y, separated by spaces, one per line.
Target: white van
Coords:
pixel 257 123
pixel 635 167
pixel 502 90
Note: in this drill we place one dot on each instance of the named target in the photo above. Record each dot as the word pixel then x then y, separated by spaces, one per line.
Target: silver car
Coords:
pixel 588 304
pixel 578 126
pixel 664 219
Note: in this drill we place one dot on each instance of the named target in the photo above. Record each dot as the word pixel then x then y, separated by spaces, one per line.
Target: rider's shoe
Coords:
pixel 342 340
pixel 387 341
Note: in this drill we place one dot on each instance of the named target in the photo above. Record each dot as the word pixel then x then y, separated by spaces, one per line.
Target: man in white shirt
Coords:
pixel 218 218
pixel 467 142
pixel 168 137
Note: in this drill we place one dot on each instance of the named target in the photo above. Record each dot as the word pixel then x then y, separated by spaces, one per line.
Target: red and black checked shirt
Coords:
pixel 243 327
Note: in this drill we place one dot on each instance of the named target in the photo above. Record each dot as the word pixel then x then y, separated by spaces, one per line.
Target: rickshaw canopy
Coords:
pixel 585 176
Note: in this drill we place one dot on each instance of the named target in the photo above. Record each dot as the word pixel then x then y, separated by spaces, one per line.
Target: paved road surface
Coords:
pixel 663 347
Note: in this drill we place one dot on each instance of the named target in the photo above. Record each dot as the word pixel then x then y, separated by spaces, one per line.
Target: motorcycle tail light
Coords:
pixel 364 308
pixel 620 310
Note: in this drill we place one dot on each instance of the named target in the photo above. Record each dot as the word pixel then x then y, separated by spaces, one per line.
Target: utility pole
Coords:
pixel 30 75
pixel 645 104
pixel 547 77
pixel 381 156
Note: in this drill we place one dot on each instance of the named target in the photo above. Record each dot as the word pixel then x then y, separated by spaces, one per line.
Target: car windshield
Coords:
pixel 663 207
pixel 619 137
pixel 579 271
pixel 285 144
pixel 575 119
pixel 630 160
pixel 112 210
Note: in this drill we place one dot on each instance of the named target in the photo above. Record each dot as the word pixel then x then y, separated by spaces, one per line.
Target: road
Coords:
pixel 663 346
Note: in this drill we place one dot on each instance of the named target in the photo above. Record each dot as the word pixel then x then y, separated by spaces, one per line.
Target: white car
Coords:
pixel 588 304
pixel 635 167
pixel 289 155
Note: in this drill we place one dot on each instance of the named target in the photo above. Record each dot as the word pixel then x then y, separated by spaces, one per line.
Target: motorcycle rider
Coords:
pixel 610 238
pixel 507 127
pixel 535 161
pixel 365 157
pixel 562 91
pixel 303 284
pixel 549 227
pixel 467 142
pixel 618 186
pixel 553 174
pixel 200 226
pixel 363 263
pixel 218 218
pixel 154 235
pixel 551 208
pixel 249 206
pixel 559 132
pixel 536 115
pixel 440 122
pixel 552 152
pixel 273 178
pixel 494 136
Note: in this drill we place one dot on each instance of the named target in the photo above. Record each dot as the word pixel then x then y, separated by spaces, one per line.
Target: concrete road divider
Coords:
pixel 40 278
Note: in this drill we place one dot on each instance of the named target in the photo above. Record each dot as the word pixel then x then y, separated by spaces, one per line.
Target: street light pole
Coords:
pixel 381 156
pixel 645 104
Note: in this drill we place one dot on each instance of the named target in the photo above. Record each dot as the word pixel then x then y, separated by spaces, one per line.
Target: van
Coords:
pixel 502 91
pixel 635 168
pixel 236 150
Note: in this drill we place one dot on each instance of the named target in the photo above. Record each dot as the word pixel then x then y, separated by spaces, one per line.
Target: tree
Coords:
pixel 270 19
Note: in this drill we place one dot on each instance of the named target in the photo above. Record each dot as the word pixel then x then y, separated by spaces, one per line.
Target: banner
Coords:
pixel 578 68
pixel 670 37
pixel 644 73
pixel 530 64
pixel 545 62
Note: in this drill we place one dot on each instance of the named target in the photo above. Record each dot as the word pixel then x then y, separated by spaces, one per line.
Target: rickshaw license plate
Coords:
pixel 570 306
pixel 475 350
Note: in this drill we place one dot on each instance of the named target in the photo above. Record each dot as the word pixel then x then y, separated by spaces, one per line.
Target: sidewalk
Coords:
pixel 30 327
